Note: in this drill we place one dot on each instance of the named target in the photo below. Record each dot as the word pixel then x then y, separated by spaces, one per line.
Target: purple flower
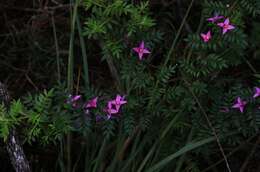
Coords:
pixel 91 103
pixel 110 110
pixel 215 18
pixel 73 100
pixel 118 102
pixel 240 104
pixel 226 26
pixel 257 92
pixel 141 50
pixel 206 37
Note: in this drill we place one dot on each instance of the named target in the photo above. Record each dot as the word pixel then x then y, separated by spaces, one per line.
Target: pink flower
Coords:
pixel 257 92
pixel 110 110
pixel 206 37
pixel 91 103
pixel 226 26
pixel 240 104
pixel 215 18
pixel 141 50
pixel 73 100
pixel 118 102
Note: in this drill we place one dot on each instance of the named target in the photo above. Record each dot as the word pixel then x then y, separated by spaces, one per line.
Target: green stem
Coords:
pixel 84 54
pixel 70 75
pixel 71 47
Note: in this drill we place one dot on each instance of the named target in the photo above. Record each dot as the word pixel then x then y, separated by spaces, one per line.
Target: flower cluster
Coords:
pixel 225 26
pixel 241 104
pixel 112 109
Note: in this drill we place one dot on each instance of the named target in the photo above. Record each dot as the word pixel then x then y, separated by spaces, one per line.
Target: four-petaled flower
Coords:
pixel 257 92
pixel 110 110
pixel 226 26
pixel 119 101
pixel 215 18
pixel 206 37
pixel 91 103
pixel 240 104
pixel 141 50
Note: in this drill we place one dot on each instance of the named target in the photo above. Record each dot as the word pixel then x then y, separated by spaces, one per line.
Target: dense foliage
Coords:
pixel 189 89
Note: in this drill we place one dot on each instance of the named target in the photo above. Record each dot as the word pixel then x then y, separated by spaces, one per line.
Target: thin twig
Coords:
pixel 186 24
pixel 2 62
pixel 45 10
pixel 56 47
pixel 243 167
pixel 178 33
pixel 210 125
pixel 229 154
pixel 31 82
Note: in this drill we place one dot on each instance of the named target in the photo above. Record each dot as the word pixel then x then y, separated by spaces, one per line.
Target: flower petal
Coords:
pixel 145 51
pixel 118 98
pixel 236 105
pixel 136 49
pixel 239 100
pixel 230 27
pixel 226 22
pixel 123 102
pixel 142 45
pixel 140 55
pixel 76 97
pixel 241 109
pixel 224 31
pixel 209 34
pixel 220 24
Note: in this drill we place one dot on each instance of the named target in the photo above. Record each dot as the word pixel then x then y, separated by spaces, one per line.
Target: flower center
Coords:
pixel 225 26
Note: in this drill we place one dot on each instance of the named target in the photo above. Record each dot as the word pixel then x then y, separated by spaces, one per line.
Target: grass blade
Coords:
pixel 70 74
pixel 180 152
pixel 150 153
pixel 84 54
